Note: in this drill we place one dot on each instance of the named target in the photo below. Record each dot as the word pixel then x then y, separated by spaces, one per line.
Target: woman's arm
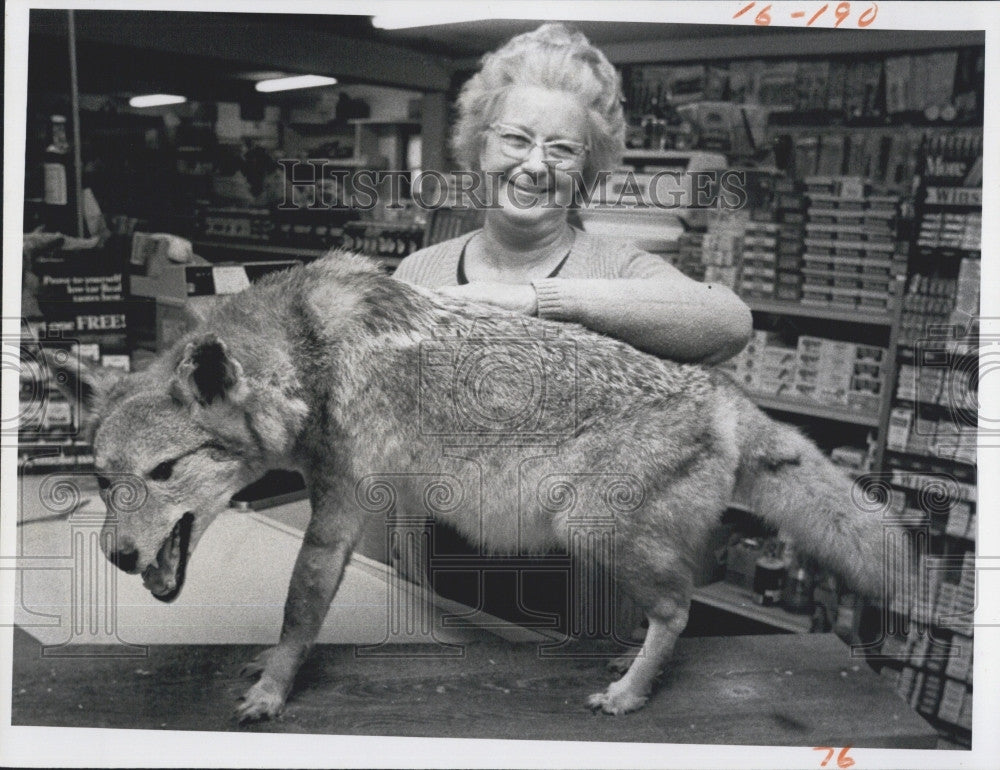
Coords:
pixel 663 312
pixel 652 306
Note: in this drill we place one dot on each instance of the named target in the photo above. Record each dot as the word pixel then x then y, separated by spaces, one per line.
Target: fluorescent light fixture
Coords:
pixel 155 100
pixel 418 15
pixel 295 81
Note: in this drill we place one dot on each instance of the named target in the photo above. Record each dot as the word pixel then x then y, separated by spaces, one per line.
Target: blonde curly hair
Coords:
pixel 553 57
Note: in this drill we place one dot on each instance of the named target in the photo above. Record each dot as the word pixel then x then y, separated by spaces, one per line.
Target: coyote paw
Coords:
pixel 615 703
pixel 621 664
pixel 262 701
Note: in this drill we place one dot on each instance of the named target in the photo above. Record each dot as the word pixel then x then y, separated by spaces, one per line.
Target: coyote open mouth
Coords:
pixel 165 577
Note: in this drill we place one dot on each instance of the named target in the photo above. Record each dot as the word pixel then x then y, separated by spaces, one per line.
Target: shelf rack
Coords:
pixel 889 320
pixel 284 251
pixel 845 314
pixel 815 409
pixel 739 601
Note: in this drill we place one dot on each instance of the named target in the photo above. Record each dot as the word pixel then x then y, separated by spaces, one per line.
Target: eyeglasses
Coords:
pixel 516 144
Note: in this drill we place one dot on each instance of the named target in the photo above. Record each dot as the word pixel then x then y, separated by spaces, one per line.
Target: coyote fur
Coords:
pixel 343 373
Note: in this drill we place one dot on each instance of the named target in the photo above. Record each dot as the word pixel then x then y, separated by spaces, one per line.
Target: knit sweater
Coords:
pixel 617 289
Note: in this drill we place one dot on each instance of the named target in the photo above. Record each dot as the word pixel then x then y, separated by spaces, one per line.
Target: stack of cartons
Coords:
pixel 824 371
pixel 866 383
pixel 758 274
pixel 689 251
pixel 789 214
pixel 850 252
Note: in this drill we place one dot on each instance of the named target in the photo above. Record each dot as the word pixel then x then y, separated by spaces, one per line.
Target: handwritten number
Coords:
pixel 843 760
pixel 873 11
pixel 816 15
pixel 842 12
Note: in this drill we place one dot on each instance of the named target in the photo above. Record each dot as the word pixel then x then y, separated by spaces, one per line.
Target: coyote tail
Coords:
pixel 786 480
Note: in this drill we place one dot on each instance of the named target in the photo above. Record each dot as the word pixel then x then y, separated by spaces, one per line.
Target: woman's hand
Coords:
pixel 509 296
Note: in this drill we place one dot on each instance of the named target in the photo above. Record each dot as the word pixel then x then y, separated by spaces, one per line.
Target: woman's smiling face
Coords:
pixel 532 185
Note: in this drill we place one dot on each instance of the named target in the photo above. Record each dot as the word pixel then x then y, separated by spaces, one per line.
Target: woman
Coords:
pixel 543 112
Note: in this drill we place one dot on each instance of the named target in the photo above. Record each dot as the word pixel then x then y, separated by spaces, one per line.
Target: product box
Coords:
pixel 907 680
pixel 741 562
pixel 952 697
pixel 862 401
pixel 788 293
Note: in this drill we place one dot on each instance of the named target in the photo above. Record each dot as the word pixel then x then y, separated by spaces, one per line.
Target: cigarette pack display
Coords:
pixel 831 154
pixel 952 696
pixel 958 519
pixel 806 154
pixel 918 688
pixel 939 85
pixel 812 78
pixel 965 714
pixel 775 87
pixel 931 694
pixel 897 75
pixel 791 216
pixel 836 85
pixel 907 680
pixel 900 425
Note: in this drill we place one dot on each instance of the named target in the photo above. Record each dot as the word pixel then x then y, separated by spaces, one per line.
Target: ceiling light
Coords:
pixel 296 81
pixel 155 100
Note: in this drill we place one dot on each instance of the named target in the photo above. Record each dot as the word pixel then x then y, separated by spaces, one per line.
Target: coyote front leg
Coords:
pixel 666 622
pixel 328 543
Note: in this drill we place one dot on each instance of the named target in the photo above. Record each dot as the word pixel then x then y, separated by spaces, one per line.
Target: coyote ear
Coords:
pixel 207 373
pixel 81 383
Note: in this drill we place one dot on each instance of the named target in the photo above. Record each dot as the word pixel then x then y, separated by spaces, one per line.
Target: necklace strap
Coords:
pixel 463 279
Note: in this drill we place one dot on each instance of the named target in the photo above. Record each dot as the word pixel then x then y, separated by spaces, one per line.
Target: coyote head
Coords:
pixel 178 433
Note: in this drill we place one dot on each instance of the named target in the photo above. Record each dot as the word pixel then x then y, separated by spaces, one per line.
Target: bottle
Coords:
pixel 60 189
pixel 797 593
pixel 769 575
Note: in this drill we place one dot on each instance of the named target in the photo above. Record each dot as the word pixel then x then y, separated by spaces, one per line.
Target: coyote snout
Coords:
pixel 125 558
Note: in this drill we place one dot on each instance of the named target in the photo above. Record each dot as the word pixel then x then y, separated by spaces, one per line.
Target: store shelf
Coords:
pixel 814 311
pixel 284 251
pixel 961 414
pixel 725 596
pixel 927 459
pixel 384 122
pixel 813 409
pixel 362 162
pixel 661 155
pixel 939 349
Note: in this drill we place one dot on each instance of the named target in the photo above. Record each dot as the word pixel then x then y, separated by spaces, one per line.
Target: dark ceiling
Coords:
pixel 209 55
pixel 474 38
pixel 113 63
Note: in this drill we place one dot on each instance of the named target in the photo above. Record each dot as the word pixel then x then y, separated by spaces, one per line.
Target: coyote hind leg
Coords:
pixel 667 620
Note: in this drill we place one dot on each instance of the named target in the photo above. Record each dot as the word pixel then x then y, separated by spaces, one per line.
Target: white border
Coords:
pixel 89 747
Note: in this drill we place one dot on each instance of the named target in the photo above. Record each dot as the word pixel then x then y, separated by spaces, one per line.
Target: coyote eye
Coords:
pixel 162 471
